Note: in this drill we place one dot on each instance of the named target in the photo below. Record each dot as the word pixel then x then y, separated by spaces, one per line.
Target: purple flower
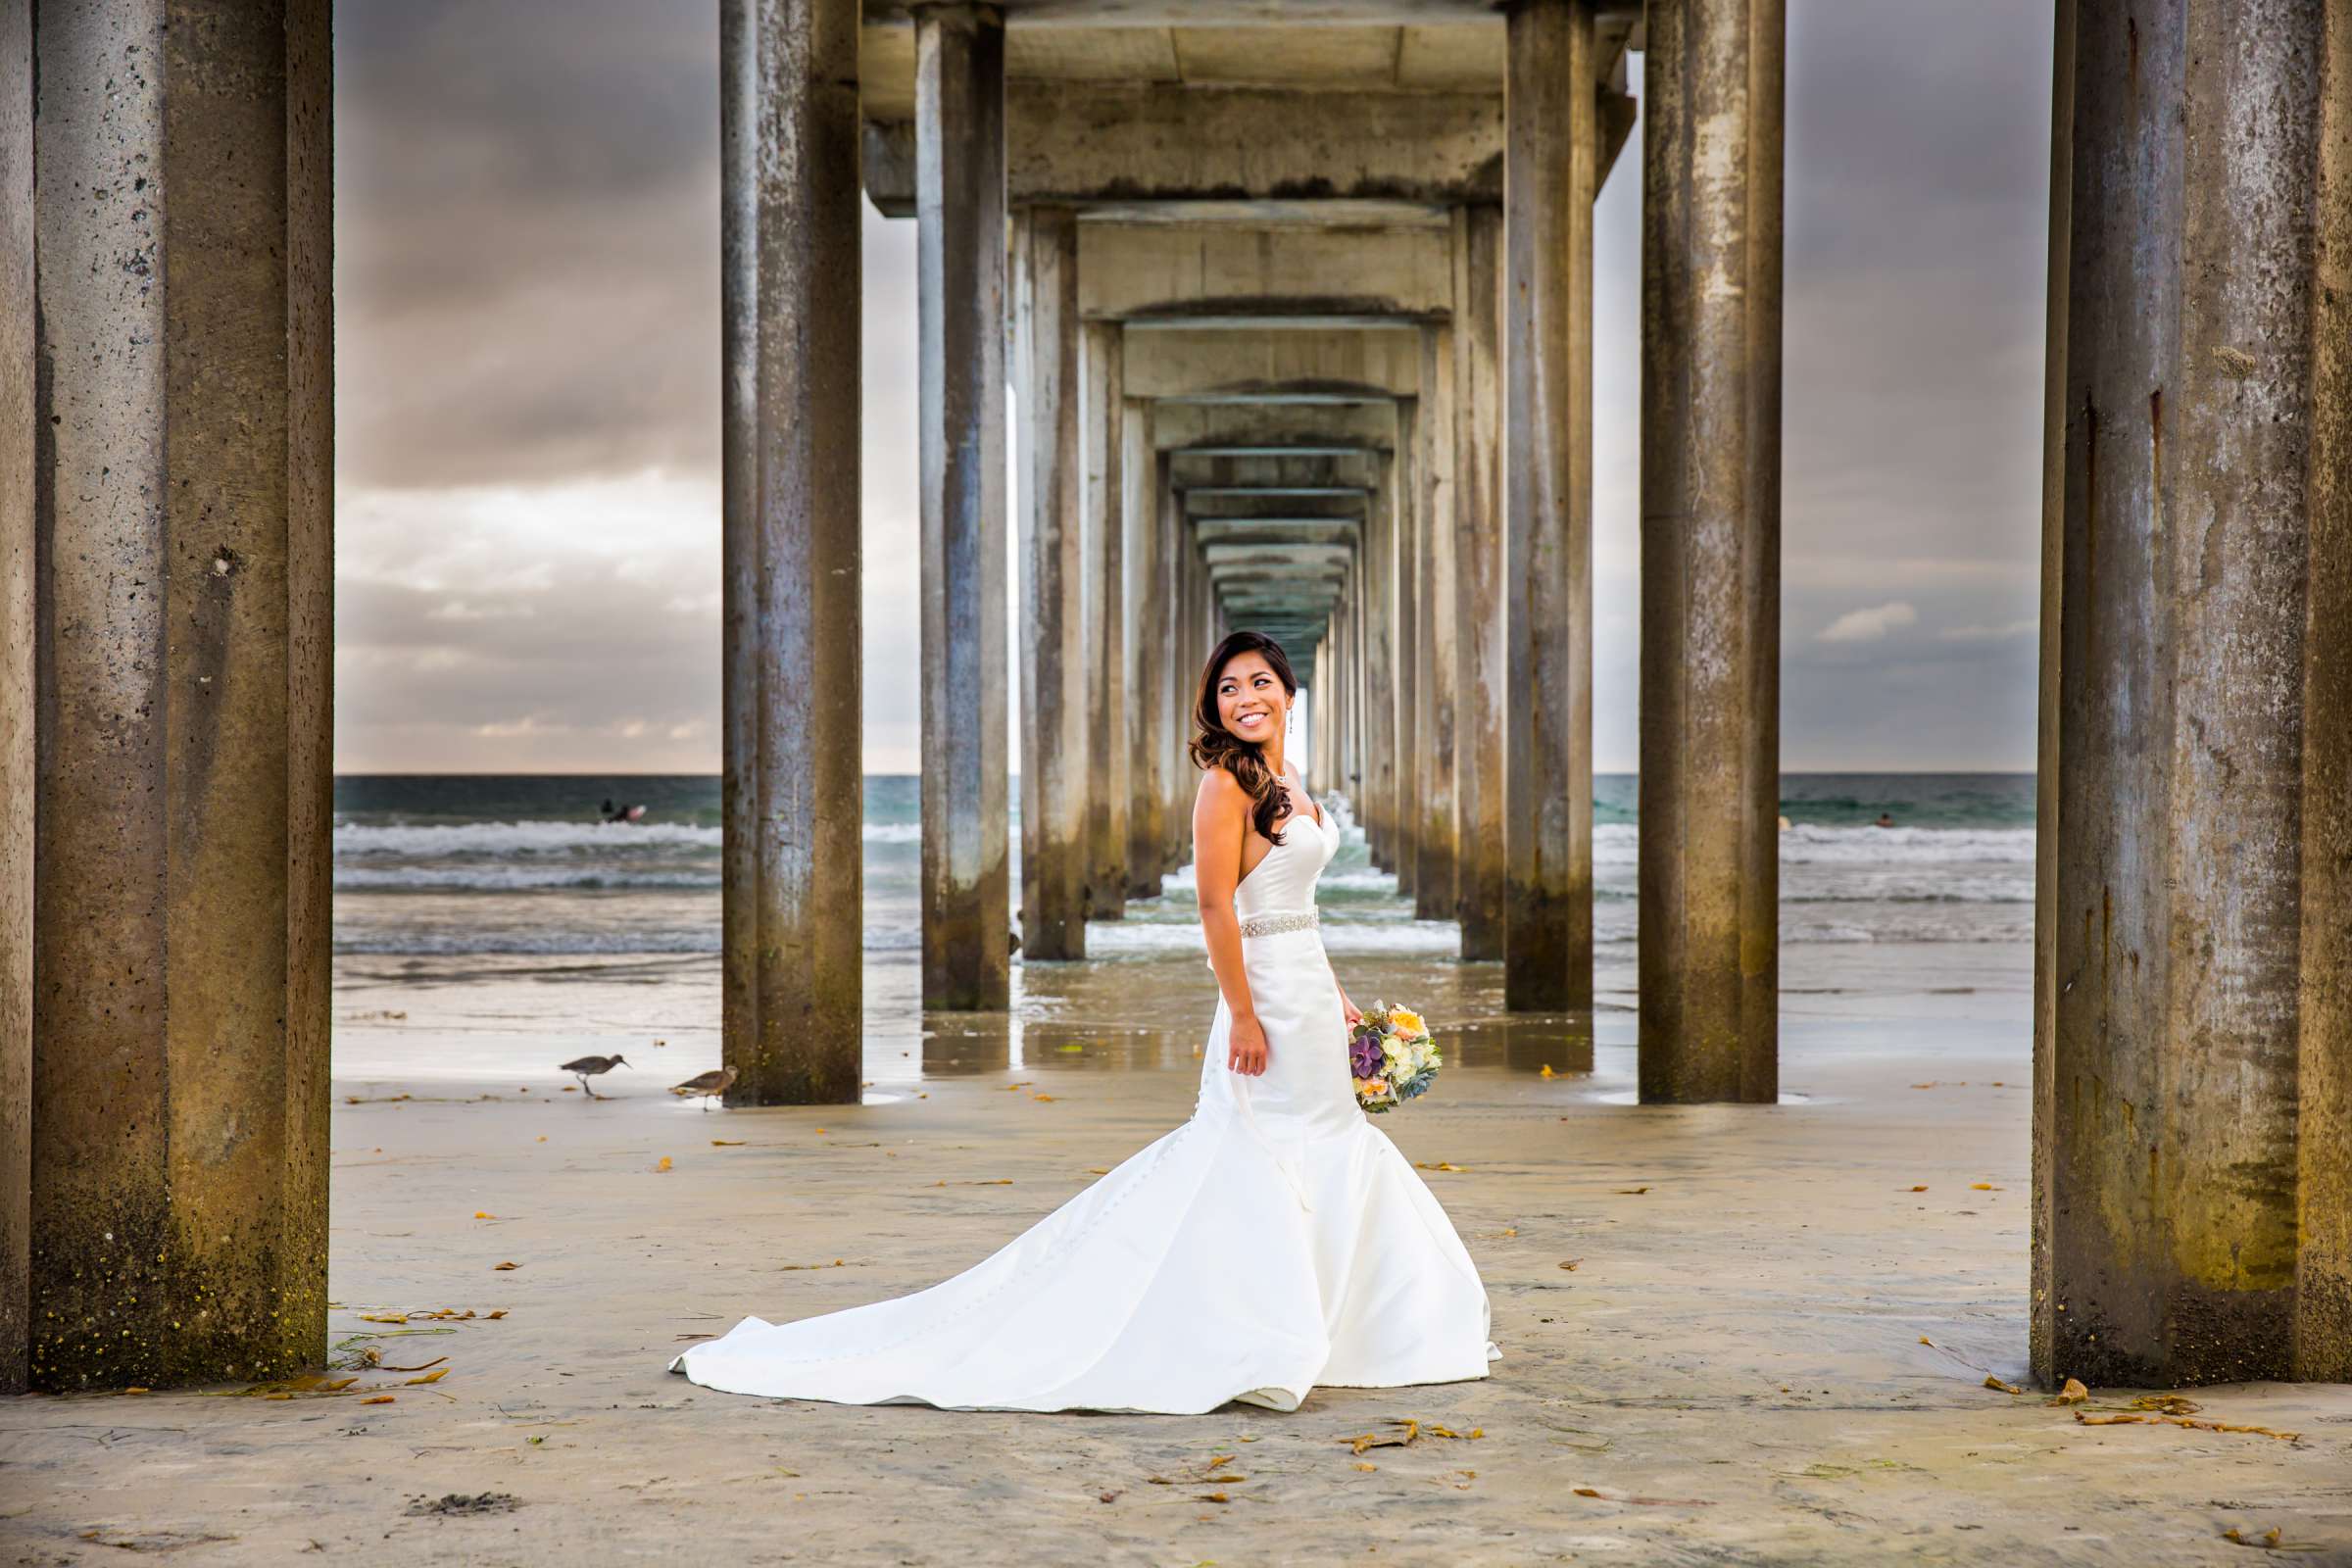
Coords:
pixel 1365 1055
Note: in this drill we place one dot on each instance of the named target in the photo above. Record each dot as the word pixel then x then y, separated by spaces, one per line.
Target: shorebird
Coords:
pixel 586 1067
pixel 709 1085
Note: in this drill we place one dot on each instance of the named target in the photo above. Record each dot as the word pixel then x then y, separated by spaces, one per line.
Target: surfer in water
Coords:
pixel 624 814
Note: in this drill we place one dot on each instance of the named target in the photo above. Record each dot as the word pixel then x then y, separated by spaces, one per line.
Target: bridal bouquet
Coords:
pixel 1391 1056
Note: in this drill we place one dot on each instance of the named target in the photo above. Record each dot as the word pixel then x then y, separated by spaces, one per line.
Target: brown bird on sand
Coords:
pixel 586 1067
pixel 709 1085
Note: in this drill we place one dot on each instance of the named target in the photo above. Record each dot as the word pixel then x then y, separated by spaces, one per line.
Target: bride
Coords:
pixel 1274 1242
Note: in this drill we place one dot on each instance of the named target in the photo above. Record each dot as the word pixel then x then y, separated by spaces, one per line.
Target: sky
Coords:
pixel 527 394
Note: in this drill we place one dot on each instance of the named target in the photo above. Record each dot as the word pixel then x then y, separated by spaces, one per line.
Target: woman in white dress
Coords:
pixel 1275 1240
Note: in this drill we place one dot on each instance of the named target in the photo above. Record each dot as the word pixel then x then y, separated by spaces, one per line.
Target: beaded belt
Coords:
pixel 1265 925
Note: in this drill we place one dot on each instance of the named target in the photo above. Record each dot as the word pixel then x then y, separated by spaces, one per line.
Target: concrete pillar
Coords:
pixel 1405 514
pixel 1435 895
pixel 1481 676
pixel 1380 668
pixel 797 808
pixel 739 515
pixel 1709 965
pixel 960 237
pixel 183 501
pixel 2045 760
pixel 1103 410
pixel 1359 696
pixel 1551 128
pixel 2193 1115
pixel 1144 650
pixel 1054 765
pixel 1178 663
pixel 16 647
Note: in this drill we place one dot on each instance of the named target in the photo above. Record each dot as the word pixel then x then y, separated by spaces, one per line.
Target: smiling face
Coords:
pixel 1251 701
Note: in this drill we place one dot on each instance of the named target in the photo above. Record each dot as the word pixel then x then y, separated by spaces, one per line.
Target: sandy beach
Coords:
pixel 1771 1346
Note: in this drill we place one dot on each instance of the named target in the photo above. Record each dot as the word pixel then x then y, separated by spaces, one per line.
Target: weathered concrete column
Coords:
pixel 1481 672
pixel 1054 765
pixel 2193 1115
pixel 1435 892
pixel 2045 738
pixel 1406 516
pixel 1179 662
pixel 959 238
pixel 1710 961
pixel 1380 668
pixel 1102 544
pixel 1552 126
pixel 1144 649
pixel 739 516
pixel 794 810
pixel 1359 695
pixel 184 500
pixel 16 647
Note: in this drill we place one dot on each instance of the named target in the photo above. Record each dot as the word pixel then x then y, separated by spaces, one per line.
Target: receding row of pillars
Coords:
pixel 166 589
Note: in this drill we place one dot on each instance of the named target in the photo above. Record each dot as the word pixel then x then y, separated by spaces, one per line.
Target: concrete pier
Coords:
pixel 1711 553
pixel 1435 892
pixel 1055 765
pixel 1482 679
pixel 2193 1095
pixel 183 501
pixel 1102 403
pixel 739 514
pixel 1381 648
pixel 1406 517
pixel 1548 186
pixel 1144 651
pixel 17 654
pixel 1178 780
pixel 959 239
pixel 806 784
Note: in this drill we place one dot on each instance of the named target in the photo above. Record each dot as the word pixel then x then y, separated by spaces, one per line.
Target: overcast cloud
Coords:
pixel 527 313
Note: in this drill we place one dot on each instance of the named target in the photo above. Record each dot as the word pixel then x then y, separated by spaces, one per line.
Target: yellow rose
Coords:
pixel 1407 1022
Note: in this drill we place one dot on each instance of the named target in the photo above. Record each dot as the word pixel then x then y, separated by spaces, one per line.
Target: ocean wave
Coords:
pixel 510 878
pixel 518 840
pixel 1618 844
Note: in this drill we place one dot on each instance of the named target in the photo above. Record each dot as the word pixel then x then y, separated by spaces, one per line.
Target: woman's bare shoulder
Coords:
pixel 1219 787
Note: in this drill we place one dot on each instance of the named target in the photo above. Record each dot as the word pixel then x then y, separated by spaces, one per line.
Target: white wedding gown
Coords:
pixel 1274 1242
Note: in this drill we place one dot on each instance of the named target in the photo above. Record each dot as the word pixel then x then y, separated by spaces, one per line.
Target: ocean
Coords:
pixel 521 865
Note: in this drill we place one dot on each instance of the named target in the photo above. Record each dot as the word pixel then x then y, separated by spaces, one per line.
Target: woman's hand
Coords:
pixel 1246 1046
pixel 1351 1010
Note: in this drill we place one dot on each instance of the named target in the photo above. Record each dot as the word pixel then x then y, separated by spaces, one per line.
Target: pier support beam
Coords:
pixel 1102 595
pixel 1054 648
pixel 798 1037
pixel 1381 650
pixel 1180 664
pixel 183 501
pixel 1144 650
pixel 1404 495
pixel 2193 1083
pixel 959 239
pixel 1709 961
pixel 16 647
pixel 1480 655
pixel 1434 842
pixel 1550 163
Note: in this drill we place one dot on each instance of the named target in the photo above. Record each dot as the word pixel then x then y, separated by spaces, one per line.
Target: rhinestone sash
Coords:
pixel 1267 925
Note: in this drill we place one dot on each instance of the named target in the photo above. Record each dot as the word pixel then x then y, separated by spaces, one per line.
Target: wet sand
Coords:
pixel 1771 1348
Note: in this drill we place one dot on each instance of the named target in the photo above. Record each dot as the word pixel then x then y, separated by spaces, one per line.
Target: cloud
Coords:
pixel 1868 625
pixel 528 390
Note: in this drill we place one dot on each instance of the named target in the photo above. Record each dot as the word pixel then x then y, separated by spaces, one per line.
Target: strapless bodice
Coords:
pixel 1285 880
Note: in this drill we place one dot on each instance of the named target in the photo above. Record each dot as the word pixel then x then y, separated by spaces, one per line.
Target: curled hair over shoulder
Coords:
pixel 1215 746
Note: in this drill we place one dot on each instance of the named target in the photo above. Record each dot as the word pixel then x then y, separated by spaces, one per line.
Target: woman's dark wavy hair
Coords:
pixel 1215 746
